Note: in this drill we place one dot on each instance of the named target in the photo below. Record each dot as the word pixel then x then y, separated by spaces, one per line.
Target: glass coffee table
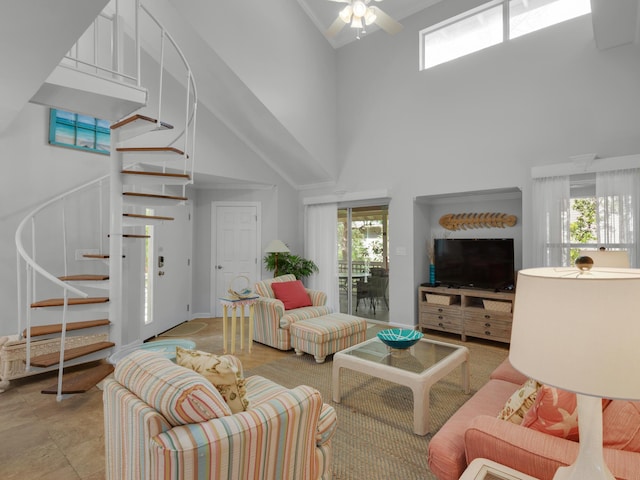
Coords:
pixel 418 368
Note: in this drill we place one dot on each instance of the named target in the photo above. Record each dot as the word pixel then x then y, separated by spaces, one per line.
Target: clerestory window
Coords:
pixel 493 23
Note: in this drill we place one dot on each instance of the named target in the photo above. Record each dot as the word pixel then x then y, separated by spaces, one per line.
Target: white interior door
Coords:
pixel 169 271
pixel 236 252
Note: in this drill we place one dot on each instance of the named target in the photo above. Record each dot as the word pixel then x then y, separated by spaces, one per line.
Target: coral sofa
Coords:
pixel 474 431
pixel 165 421
pixel 271 321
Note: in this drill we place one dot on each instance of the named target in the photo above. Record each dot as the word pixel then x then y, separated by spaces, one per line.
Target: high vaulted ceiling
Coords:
pixel 266 123
pixel 615 22
pixel 324 12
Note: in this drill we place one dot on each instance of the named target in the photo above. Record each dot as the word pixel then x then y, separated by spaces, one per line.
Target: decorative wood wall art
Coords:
pixel 464 221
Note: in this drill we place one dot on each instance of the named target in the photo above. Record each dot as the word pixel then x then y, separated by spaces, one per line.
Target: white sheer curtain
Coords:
pixel 618 202
pixel 321 246
pixel 551 226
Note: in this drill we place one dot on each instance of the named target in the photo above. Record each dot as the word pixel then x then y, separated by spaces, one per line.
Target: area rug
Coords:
pixel 185 329
pixel 375 438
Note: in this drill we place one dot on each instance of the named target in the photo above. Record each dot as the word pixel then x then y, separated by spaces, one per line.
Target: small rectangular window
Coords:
pixel 526 16
pixel 75 130
pixel 470 34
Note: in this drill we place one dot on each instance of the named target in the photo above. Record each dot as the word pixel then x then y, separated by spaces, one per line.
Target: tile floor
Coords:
pixel 44 439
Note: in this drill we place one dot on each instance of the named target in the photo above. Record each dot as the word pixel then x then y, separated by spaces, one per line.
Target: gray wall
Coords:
pixel 480 122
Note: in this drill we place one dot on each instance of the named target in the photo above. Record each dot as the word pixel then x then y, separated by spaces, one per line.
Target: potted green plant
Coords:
pixel 285 263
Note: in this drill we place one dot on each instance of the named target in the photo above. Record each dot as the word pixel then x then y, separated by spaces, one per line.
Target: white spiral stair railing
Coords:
pixel 134 171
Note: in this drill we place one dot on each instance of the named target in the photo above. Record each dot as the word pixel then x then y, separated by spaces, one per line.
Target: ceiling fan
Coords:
pixel 359 14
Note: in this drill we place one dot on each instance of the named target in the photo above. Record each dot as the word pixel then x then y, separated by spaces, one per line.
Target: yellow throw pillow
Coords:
pixel 220 372
pixel 520 402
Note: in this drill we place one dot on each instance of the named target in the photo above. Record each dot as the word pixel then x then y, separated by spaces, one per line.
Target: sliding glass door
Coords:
pixel 363 261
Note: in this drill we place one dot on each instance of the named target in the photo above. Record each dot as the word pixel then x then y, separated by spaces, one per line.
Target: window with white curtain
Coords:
pixel 590 211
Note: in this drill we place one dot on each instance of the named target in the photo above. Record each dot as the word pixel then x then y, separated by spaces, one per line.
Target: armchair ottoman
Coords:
pixel 322 336
pixel 271 321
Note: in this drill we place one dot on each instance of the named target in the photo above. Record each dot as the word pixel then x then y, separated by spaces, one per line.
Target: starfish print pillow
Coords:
pixel 554 412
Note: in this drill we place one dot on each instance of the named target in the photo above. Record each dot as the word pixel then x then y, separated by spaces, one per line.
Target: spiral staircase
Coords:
pixel 87 317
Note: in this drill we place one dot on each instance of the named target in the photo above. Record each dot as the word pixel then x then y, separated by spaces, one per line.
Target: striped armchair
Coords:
pixel 166 422
pixel 271 321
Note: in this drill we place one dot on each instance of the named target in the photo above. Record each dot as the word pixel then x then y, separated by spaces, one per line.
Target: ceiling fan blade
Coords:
pixel 385 22
pixel 335 27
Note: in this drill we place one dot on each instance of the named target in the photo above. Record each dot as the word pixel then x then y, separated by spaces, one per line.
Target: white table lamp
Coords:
pixel 580 331
pixel 276 247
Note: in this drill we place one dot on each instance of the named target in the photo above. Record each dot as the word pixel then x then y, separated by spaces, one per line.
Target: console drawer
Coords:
pixel 448 310
pixel 482 315
pixel 489 328
pixel 441 321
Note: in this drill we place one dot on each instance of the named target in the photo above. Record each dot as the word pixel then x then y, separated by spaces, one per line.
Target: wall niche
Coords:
pixel 429 209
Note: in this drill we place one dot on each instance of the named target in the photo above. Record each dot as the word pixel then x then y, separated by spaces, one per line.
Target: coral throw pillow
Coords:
pixel 220 372
pixel 292 294
pixel 554 412
pixel 520 402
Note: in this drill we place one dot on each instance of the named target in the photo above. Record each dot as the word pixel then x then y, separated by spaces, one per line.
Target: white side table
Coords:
pixel 234 304
pixel 483 469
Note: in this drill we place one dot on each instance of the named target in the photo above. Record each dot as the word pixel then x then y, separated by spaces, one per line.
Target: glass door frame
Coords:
pixel 347 260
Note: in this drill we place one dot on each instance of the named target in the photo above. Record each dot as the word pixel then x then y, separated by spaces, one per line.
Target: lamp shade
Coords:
pixel 276 246
pixel 579 331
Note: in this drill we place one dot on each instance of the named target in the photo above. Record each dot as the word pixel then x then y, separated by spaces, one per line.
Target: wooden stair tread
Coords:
pixel 132 235
pixel 57 327
pixel 80 382
pixel 157 174
pixel 150 217
pixel 59 302
pixel 84 278
pixel 153 195
pixel 138 117
pixel 51 359
pixel 150 149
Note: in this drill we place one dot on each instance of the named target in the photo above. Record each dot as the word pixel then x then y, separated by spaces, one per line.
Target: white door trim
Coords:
pixel 212 263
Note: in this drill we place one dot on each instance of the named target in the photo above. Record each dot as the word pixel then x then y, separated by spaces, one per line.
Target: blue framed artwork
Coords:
pixel 74 130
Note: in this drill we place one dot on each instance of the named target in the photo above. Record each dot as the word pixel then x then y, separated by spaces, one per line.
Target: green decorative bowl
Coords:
pixel 399 338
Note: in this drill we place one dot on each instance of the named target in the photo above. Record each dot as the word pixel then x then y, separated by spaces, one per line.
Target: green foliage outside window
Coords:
pixel 359 249
pixel 583 228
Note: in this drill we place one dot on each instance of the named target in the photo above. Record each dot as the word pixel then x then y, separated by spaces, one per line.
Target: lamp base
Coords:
pixel 575 472
pixel 590 462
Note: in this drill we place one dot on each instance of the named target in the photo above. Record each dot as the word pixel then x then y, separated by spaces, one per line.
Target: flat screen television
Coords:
pixel 484 263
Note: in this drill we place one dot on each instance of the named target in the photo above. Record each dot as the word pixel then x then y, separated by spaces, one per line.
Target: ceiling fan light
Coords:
pixel 359 8
pixel 370 17
pixel 356 22
pixel 345 14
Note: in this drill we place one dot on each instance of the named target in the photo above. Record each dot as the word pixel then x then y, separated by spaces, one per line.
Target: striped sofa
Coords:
pixel 164 421
pixel 271 321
